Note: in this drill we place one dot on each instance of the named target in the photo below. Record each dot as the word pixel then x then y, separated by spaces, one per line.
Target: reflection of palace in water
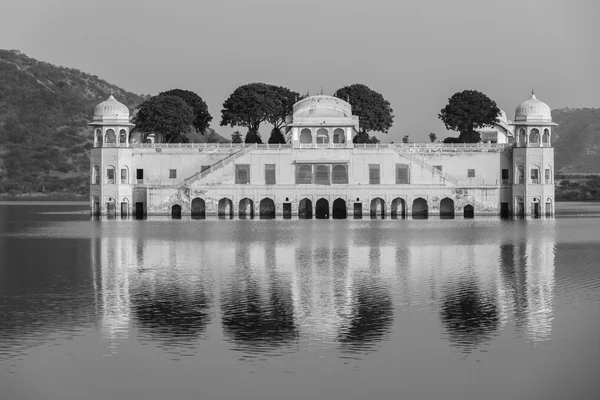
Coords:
pixel 322 289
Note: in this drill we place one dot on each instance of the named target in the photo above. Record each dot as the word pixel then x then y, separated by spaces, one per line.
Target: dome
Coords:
pixel 533 110
pixel 322 106
pixel 111 109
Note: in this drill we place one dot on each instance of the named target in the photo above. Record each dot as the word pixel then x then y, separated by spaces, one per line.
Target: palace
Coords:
pixel 321 173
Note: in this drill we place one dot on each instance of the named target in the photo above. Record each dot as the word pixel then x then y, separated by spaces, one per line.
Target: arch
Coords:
pixel 225 208
pixel 124 207
pixel 125 174
pixel 339 174
pixel 522 137
pixel 548 207
pixel 123 136
pixel 305 209
pixel 546 138
pixel 447 207
pixel 322 209
pixel 176 211
pixel 468 211
pixel 339 136
pixel 110 137
pixel 267 208
pixel 246 208
pixel 198 208
pixel 339 210
pixel 96 175
pixel 110 174
pixel 548 175
pixel 534 137
pixel 96 206
pixel 420 208
pixel 377 207
pixel 398 207
pixel 111 207
pixel 305 136
pixel 520 174
pixel 535 174
pixel 322 136
pixel 520 207
pixel 304 174
pixel 98 137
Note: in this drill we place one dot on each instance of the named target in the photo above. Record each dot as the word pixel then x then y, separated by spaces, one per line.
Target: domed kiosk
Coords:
pixel 111 117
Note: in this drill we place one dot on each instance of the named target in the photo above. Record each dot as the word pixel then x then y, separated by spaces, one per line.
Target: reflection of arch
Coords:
pixel 420 207
pixel 468 211
pixel 339 209
pixel 377 207
pixel 322 209
pixel 176 211
pixel 225 207
pixel 267 208
pixel 110 136
pixel 305 136
pixel 198 207
pixel 522 137
pixel 447 207
pixel 546 138
pixel 339 136
pixel 305 209
pixel 322 136
pixel 398 207
pixel 123 136
pixel 468 315
pixel 534 137
pixel 246 208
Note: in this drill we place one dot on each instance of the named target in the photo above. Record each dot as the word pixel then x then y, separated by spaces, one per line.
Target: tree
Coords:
pixel 374 112
pixel 168 116
pixel 202 117
pixel 251 104
pixel 467 111
pixel 432 137
pixel 276 136
pixel 405 139
pixel 253 137
pixel 236 137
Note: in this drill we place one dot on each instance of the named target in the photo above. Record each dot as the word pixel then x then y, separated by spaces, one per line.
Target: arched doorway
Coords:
pixel 447 208
pixel 398 208
pixel 176 211
pixel 246 209
pixel 339 209
pixel 322 209
pixel 225 208
pixel 305 209
pixel 111 208
pixel 198 208
pixel 535 208
pixel 420 209
pixel 377 208
pixel 267 208
pixel 96 207
pixel 468 211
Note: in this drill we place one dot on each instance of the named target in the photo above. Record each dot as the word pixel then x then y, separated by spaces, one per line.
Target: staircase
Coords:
pixel 220 164
pixel 420 161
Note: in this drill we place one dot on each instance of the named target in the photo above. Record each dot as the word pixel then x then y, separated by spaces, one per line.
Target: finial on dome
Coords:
pixel 321 90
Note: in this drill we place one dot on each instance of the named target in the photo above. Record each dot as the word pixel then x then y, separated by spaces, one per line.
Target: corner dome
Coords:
pixel 533 110
pixel 111 109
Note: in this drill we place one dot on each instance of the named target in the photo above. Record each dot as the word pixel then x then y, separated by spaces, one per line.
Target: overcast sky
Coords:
pixel 415 53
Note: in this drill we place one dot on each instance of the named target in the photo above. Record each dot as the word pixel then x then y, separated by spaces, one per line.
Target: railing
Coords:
pixel 221 163
pixel 322 145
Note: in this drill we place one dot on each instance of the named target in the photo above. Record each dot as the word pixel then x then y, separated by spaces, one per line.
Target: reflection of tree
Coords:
pixel 371 318
pixel 469 316
pixel 171 312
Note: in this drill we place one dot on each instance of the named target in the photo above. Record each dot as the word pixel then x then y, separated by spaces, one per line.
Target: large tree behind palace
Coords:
pixel 467 111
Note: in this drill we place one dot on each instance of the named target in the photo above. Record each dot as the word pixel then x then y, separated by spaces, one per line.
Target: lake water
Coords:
pixel 298 309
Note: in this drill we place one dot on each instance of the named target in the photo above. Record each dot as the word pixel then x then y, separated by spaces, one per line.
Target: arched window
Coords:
pixel 98 137
pixel 96 175
pixel 522 141
pixel 305 136
pixel 125 175
pixel 322 136
pixel 548 174
pixel 110 174
pixel 122 136
pixel 110 137
pixel 546 138
pixel 535 174
pixel 520 174
pixel 534 137
pixel 339 136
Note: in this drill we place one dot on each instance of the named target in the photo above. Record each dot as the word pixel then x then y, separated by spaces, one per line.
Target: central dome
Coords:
pixel 111 109
pixel 533 110
pixel 322 106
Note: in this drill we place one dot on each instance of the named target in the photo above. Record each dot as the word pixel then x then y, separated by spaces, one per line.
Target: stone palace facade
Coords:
pixel 320 173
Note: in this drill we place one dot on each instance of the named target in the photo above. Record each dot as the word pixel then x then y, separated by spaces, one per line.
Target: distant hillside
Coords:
pixel 44 111
pixel 577 139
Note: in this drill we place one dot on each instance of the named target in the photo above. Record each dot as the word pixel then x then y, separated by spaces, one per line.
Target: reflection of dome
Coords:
pixel 533 110
pixel 322 106
pixel 111 109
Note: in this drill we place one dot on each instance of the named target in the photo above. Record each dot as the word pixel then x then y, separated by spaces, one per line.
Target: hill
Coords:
pixel 577 140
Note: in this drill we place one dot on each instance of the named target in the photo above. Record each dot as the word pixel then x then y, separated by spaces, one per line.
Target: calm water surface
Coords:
pixel 298 309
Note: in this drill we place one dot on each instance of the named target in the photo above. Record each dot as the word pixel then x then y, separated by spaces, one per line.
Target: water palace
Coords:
pixel 320 173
